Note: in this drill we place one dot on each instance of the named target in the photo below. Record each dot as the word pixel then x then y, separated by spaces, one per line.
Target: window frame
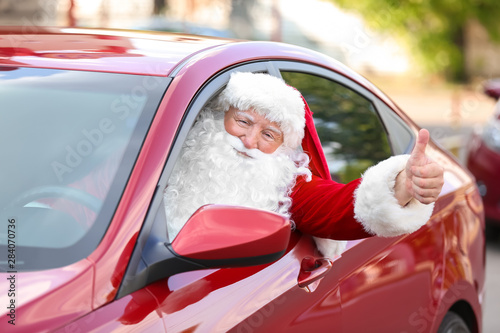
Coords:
pixel 155 221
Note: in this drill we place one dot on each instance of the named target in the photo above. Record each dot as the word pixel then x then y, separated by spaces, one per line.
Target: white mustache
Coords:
pixel 238 145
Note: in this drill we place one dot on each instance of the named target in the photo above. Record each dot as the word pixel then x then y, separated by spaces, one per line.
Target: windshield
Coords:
pixel 68 142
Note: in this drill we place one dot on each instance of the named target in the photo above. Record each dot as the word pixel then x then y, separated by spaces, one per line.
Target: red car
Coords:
pixel 492 88
pixel 483 160
pixel 91 125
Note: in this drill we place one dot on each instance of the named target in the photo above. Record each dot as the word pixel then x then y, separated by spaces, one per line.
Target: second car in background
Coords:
pixel 483 159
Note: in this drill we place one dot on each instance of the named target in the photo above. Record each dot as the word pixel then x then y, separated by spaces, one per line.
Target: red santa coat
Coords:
pixel 359 209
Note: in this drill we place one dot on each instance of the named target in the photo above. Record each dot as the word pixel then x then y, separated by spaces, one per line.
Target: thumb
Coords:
pixel 418 153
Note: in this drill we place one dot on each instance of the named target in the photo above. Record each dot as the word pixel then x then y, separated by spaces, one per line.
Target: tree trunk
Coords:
pixel 458 72
pixel 240 18
pixel 160 6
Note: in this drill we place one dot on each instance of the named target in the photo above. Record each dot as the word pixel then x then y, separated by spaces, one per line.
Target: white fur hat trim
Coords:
pixel 376 208
pixel 270 97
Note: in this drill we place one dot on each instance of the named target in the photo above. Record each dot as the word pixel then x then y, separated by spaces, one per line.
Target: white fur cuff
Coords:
pixel 330 248
pixel 376 208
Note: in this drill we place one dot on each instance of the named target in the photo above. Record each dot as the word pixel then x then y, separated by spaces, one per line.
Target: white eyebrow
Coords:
pixel 252 119
pixel 274 129
pixel 246 115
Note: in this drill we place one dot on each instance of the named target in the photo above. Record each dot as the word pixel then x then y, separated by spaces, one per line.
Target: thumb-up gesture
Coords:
pixel 422 178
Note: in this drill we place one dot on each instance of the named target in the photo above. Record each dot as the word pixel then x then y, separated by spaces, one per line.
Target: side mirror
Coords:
pixel 229 236
pixel 216 236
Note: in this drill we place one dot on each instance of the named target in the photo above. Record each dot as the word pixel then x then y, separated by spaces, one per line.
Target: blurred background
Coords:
pixel 432 57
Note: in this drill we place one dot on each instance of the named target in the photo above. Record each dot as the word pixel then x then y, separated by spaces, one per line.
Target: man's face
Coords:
pixel 254 130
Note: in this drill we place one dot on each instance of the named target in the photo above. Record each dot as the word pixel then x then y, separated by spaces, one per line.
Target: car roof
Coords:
pixel 118 51
pixel 148 52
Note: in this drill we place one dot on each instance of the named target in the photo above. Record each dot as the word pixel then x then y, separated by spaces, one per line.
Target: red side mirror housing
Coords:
pixel 220 235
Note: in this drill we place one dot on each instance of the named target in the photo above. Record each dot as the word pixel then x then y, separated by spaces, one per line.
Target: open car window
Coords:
pixel 352 136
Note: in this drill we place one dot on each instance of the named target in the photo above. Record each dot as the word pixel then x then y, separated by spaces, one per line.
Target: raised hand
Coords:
pixel 422 178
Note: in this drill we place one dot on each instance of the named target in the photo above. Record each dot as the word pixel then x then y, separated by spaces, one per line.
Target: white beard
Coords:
pixel 210 170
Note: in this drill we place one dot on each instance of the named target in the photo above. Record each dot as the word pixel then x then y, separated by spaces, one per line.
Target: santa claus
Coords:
pixel 255 145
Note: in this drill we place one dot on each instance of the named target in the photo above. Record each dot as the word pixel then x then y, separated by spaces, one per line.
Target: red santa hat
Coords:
pixel 269 96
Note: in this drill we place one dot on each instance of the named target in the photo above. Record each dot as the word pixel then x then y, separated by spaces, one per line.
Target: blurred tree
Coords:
pixel 28 12
pixel 433 29
pixel 346 122
pixel 71 14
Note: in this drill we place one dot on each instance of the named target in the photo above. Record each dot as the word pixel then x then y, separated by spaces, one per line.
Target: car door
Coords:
pixel 385 284
pixel 282 295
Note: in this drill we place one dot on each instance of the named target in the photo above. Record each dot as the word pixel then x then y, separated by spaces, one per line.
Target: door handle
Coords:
pixel 311 270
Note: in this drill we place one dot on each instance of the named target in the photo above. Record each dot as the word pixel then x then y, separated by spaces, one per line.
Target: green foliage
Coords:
pixel 353 170
pixel 347 125
pixel 433 29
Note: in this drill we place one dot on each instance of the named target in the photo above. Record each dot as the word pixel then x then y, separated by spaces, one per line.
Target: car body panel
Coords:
pixel 446 257
pixel 120 316
pixel 483 162
pixel 42 298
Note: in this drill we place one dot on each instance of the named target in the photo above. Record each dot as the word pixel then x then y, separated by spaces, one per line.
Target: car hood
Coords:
pixel 41 297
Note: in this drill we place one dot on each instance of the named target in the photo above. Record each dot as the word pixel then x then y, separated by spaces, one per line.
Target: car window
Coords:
pixel 64 136
pixel 351 133
pixel 157 220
